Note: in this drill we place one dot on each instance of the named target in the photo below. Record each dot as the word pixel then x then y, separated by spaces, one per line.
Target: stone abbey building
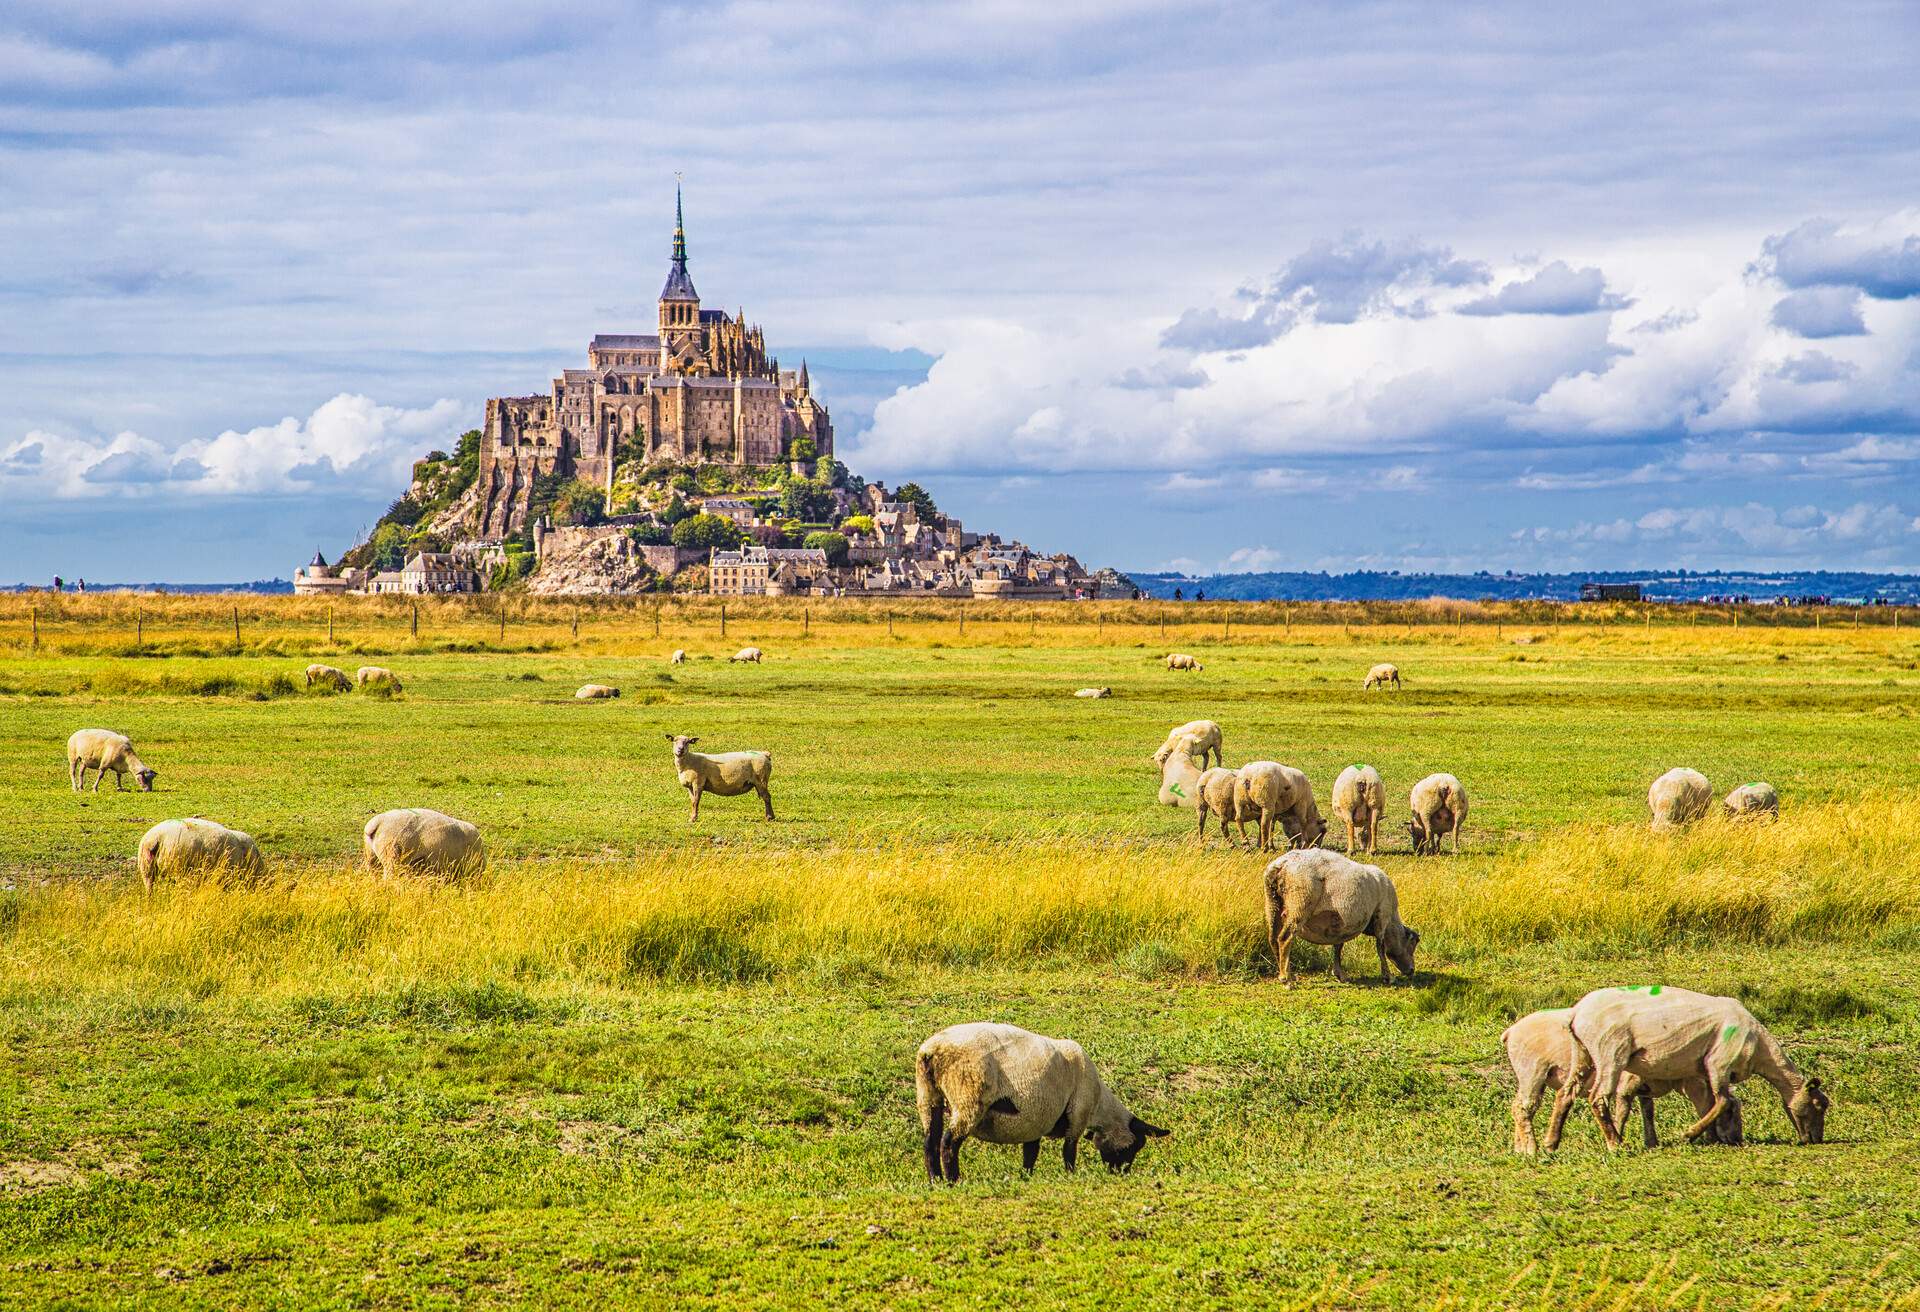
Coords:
pixel 701 388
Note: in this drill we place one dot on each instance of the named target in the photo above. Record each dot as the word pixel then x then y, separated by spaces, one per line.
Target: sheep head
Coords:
pixel 146 778
pixel 1400 944
pixel 681 742
pixel 1119 1148
pixel 1808 1108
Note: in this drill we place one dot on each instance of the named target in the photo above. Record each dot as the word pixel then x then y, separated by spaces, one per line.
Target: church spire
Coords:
pixel 679 285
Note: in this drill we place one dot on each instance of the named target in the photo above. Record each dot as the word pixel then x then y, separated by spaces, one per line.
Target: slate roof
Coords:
pixel 624 342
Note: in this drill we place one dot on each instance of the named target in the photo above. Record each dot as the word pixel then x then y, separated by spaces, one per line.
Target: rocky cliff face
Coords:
pixel 601 567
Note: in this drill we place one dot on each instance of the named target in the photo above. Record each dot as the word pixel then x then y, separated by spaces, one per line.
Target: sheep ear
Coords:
pixel 1813 1085
pixel 1142 1130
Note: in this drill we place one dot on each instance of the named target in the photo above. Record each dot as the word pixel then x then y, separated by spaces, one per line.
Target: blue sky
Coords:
pixel 1214 286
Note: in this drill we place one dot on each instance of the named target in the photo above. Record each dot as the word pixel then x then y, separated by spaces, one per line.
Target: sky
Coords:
pixel 1192 286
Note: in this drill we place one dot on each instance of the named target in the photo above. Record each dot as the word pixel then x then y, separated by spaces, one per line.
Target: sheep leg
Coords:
pixel 950 1158
pixel 1241 823
pixel 1339 973
pixel 1722 1091
pixel 693 791
pixel 1580 1070
pixel 935 1136
pixel 1600 1098
pixel 1645 1099
pixel 1029 1154
pixel 99 777
pixel 1070 1152
pixel 1526 1101
pixel 1456 834
pixel 1349 835
pixel 766 799
pixel 1381 947
pixel 1283 957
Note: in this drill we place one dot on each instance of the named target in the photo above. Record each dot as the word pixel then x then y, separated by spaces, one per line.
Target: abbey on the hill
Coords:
pixel 702 388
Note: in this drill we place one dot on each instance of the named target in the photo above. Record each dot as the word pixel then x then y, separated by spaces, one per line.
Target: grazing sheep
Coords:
pixel 104 750
pixel 376 676
pixel 1094 692
pixel 1753 800
pixel 679 656
pixel 1002 1084
pixel 1540 1050
pixel 1360 799
pixel 1179 774
pixel 1327 898
pixel 728 774
pixel 1206 739
pixel 1381 675
pixel 328 677
pixel 1217 793
pixel 1668 1034
pixel 1274 792
pixel 417 840
pixel 177 849
pixel 593 691
pixel 1182 661
pixel 1439 806
pixel 748 654
pixel 1679 797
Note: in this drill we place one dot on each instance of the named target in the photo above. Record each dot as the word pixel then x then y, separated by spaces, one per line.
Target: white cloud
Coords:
pixel 1252 560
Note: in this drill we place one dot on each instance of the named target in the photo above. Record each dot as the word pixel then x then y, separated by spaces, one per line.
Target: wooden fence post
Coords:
pixel 889 624
pixel 806 621
pixel 414 630
pixel 963 619
pixel 329 626
pixel 503 619
pixel 723 619
pixel 1289 623
pixel 36 628
pixel 656 619
pixel 139 629
pixel 576 624
pixel 236 626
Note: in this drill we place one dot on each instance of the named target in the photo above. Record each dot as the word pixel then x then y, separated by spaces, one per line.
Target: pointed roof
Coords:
pixel 679 286
pixel 805 383
pixel 318 562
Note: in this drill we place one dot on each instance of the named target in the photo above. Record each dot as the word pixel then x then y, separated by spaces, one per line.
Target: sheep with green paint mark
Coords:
pixel 1753 801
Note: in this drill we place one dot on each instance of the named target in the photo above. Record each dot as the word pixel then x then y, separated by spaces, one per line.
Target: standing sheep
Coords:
pixel 1216 793
pixel 1360 799
pixel 1380 676
pixel 595 692
pixel 1274 792
pixel 748 655
pixel 1439 806
pixel 178 849
pixel 104 750
pixel 1179 774
pixel 727 774
pixel 679 656
pixel 1679 797
pixel 1667 1034
pixel 376 676
pixel 1003 1084
pixel 1540 1050
pixel 1753 800
pixel 328 677
pixel 1182 661
pixel 1205 741
pixel 417 840
pixel 1330 899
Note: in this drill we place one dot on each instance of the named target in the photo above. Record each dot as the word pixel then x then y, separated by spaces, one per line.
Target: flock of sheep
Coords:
pixel 1001 1084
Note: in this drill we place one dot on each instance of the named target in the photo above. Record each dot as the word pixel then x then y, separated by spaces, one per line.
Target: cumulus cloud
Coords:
pixel 1824 253
pixel 1748 530
pixel 350 441
pixel 1815 367
pixel 1821 312
pixel 1556 289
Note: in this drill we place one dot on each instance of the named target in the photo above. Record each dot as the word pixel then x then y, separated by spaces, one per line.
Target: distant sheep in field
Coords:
pixel 1204 737
pixel 679 656
pixel 1323 897
pixel 376 676
pixel 1279 794
pixel 1540 1050
pixel 1181 661
pixel 1359 800
pixel 1094 692
pixel 1003 1084
pixel 104 750
pixel 725 774
pixel 1439 807
pixel 328 677
pixel 749 655
pixel 181 849
pixel 594 692
pixel 1753 800
pixel 415 840
pixel 1381 675
pixel 1679 797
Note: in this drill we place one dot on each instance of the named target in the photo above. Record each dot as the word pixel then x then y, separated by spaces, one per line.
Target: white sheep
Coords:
pixel 1179 774
pixel 1279 793
pixel 1094 692
pixel 1181 661
pixel 1540 1050
pixel 1656 1032
pixel 417 840
pixel 750 655
pixel 1217 793
pixel 1206 741
pixel 1439 807
pixel 1323 897
pixel 1757 799
pixel 1003 1084
pixel 104 750
pixel 1381 675
pixel 727 774
pixel 595 691
pixel 376 676
pixel 179 849
pixel 679 656
pixel 1679 797
pixel 1359 800
pixel 328 677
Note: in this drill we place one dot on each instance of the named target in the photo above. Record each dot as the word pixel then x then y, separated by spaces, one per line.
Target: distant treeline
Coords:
pixel 264 586
pixel 1657 585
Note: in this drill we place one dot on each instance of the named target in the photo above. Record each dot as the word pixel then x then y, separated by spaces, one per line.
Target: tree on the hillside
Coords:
pixel 857 524
pixel 803 448
pixel 916 496
pixel 579 502
pixel 805 500
pixel 834 544
pixel 705 531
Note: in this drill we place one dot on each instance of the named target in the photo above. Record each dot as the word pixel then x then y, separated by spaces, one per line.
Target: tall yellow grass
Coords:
pixel 1835 873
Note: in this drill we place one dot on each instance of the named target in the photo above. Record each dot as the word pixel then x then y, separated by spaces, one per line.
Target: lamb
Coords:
pixel 1206 742
pixel 1179 774
pixel 748 654
pixel 1381 675
pixel 1274 792
pixel 417 840
pixel 1327 898
pixel 1360 799
pixel 594 691
pixel 104 750
pixel 1182 661
pixel 679 656
pixel 1439 806
pixel 1094 692
pixel 1217 793
pixel 1753 800
pixel 1540 1050
pixel 727 774
pixel 177 849
pixel 376 676
pixel 1667 1034
pixel 1002 1084
pixel 328 677
pixel 1679 797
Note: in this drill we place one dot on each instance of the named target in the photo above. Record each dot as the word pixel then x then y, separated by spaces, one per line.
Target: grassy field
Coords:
pixel 643 1065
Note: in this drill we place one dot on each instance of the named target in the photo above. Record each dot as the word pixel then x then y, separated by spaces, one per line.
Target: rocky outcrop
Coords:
pixel 605 565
